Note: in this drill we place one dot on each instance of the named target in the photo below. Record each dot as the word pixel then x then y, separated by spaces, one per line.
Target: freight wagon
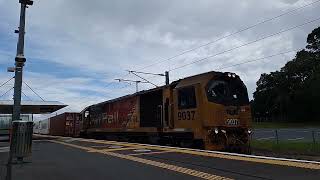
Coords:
pixel 209 110
pixel 66 124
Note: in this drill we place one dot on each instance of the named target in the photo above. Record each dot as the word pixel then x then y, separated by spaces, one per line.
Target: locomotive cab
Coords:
pixel 215 107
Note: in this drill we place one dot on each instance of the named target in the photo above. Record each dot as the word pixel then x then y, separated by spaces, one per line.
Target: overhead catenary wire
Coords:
pixel 241 30
pixel 257 59
pixel 246 44
pixel 143 78
pixel 252 60
pixel 229 35
pixel 226 36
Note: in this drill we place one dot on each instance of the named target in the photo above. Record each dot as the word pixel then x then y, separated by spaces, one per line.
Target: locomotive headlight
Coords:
pixel 249 131
pixel 224 131
pixel 229 74
pixel 216 130
pixel 233 75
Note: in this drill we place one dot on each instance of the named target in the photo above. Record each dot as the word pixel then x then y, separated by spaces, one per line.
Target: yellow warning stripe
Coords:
pixel 119 149
pixel 170 167
pixel 146 153
pixel 216 155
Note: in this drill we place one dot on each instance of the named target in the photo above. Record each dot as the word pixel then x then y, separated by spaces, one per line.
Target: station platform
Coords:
pixel 82 159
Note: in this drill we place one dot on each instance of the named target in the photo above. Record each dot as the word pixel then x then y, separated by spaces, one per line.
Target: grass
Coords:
pixel 296 147
pixel 274 125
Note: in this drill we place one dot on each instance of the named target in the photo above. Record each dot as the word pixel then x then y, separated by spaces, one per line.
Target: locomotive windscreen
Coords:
pixel 227 90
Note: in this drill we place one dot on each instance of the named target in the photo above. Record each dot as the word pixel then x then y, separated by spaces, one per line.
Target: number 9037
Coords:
pixel 186 115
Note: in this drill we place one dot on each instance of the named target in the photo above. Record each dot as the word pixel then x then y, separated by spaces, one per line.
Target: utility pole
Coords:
pixel 20 60
pixel 19 63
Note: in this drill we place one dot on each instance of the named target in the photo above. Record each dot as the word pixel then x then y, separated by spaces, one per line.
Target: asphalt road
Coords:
pixel 289 134
pixel 70 158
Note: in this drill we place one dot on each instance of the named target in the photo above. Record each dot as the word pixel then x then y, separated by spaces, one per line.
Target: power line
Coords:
pixel 253 60
pixel 134 73
pixel 226 36
pixel 246 44
pixel 223 37
pixel 258 59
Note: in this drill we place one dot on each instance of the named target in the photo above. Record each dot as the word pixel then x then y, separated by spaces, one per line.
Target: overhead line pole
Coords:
pixel 19 63
pixel 20 60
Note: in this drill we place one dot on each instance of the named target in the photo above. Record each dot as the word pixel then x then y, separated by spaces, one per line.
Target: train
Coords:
pixel 65 124
pixel 207 111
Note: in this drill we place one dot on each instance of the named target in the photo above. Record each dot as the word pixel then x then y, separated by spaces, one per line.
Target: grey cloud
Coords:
pixel 110 36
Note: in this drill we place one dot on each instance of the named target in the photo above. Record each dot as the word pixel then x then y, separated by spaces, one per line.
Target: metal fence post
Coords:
pixel 277 138
pixel 314 140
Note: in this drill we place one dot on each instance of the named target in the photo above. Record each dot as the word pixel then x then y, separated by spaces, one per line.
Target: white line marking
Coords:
pixel 294 139
pixel 100 146
pixel 142 150
pixel 115 147
pixel 69 140
pixel 266 138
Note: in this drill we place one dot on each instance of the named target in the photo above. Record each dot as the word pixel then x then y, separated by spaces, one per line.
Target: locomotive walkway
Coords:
pixel 76 158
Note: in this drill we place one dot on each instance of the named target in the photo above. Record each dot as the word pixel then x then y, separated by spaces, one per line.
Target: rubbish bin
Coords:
pixel 21 141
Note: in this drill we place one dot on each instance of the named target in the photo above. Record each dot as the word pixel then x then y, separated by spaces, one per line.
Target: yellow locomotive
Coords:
pixel 209 110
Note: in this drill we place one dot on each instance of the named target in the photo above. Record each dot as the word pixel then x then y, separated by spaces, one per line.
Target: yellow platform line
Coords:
pixel 146 153
pixel 216 155
pixel 119 149
pixel 170 167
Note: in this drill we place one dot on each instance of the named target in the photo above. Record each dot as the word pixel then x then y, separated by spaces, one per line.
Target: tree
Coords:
pixel 313 40
pixel 292 94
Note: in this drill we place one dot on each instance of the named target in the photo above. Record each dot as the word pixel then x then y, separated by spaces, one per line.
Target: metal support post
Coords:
pixel 167 77
pixel 277 138
pixel 137 82
pixel 19 63
pixel 314 140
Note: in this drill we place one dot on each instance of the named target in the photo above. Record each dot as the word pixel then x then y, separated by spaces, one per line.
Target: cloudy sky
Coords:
pixel 76 48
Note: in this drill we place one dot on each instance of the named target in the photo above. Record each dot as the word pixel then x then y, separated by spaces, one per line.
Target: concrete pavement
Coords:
pixel 73 158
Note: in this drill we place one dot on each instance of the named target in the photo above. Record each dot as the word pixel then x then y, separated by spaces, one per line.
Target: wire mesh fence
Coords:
pixel 292 140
